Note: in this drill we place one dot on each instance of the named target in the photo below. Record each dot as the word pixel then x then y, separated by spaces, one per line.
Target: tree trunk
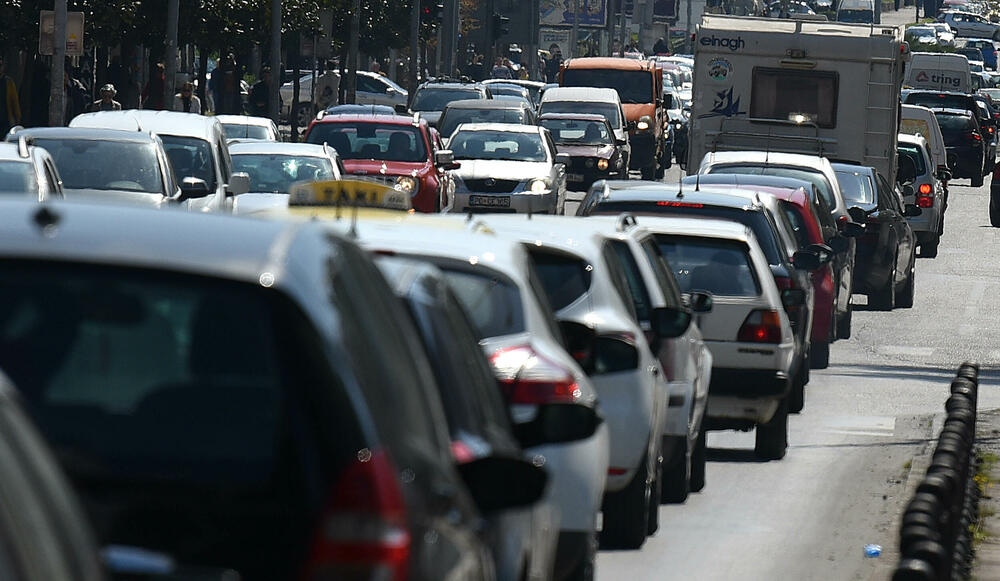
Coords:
pixel 202 73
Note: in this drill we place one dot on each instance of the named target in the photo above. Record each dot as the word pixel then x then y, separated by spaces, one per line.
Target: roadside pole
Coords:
pixel 57 104
pixel 170 55
pixel 574 37
pixel 414 46
pixel 352 53
pixel 274 108
pixel 687 30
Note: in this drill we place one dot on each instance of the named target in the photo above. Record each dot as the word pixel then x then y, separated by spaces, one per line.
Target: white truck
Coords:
pixel 818 88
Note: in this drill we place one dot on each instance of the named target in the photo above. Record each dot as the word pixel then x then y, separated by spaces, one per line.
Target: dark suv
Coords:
pixel 430 98
pixel 260 404
pixel 964 142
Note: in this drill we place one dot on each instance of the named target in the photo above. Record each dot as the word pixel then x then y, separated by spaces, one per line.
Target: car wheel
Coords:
pixel 677 474
pixel 819 355
pixel 904 299
pixel 994 211
pixel 885 298
pixel 797 396
pixel 844 323
pixel 977 181
pixel 698 458
pixel 626 512
pixel 772 437
pixel 584 570
pixel 930 249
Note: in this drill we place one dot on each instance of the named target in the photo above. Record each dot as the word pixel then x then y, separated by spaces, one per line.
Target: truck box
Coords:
pixel 937 71
pixel 818 88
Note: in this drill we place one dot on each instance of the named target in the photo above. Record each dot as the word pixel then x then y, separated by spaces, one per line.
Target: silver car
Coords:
pixel 922 188
pixel 26 169
pixel 274 167
pixel 507 168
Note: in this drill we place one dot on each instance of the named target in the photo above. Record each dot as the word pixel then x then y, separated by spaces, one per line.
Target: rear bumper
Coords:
pixel 871 268
pixel 748 383
pixel 965 162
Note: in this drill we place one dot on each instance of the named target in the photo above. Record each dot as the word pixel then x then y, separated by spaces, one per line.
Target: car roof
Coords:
pixel 199 243
pixel 696 226
pixel 708 196
pixel 931 91
pixel 573 116
pixel 776 158
pixel 505 127
pixel 519 82
pixel 951 111
pixel 162 122
pixel 624 64
pixel 275 147
pixel 451 84
pixel 87 133
pixel 586 94
pixel 11 152
pixel 862 169
pixel 244 120
pixel 486 104
pixel 368 118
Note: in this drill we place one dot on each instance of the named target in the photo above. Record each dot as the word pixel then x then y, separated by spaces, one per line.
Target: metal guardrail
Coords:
pixel 935 537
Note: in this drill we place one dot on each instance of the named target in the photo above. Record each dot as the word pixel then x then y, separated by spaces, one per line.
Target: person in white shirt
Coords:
pixel 186 101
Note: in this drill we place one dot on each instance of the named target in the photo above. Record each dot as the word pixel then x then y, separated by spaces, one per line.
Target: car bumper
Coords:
pixel 516 202
pixel 871 266
pixel 929 219
pixel 580 179
pixel 748 383
pixel 732 412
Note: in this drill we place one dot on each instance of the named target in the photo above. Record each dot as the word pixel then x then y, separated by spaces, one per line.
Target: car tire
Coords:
pixel 885 298
pixel 677 474
pixel 977 181
pixel 584 570
pixel 930 249
pixel 797 396
pixel 626 513
pixel 994 211
pixel 844 323
pixel 771 439
pixel 698 458
pixel 819 355
pixel 904 298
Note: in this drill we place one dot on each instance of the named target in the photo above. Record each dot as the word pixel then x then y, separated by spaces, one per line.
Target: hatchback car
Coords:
pixel 275 167
pixel 431 98
pixel 484 111
pixel 987 48
pixel 590 142
pixel 972 25
pixel 283 418
pixel 921 188
pixel 507 168
pixel 28 170
pixel 245 127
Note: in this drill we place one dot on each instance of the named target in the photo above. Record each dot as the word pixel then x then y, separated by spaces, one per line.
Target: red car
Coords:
pixel 398 150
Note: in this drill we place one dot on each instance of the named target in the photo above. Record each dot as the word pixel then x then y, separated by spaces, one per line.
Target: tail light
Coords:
pixel 974 136
pixel 761 326
pixel 525 377
pixel 363 534
pixel 925 201
pixel 990 129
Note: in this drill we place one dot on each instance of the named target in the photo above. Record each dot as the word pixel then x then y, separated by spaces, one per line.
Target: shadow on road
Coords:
pixel 988 374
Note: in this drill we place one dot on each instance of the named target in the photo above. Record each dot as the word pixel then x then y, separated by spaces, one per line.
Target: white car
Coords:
pixel 747 331
pixel 26 169
pixel 945 35
pixel 974 25
pixel 372 89
pixel 507 168
pixel 274 167
pixel 248 128
pixel 493 278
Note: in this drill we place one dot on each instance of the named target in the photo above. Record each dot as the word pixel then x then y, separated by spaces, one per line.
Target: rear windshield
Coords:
pixel 578 132
pixel 814 177
pixel 632 86
pixel 721 267
pixel 491 299
pixel 940 100
pixel 610 111
pixel 565 278
pixel 275 173
pixel 915 154
pixel 240 131
pixel 83 164
pixel 17 177
pixel 436 99
pixel 955 123
pixel 756 221
pixel 856 187
pixel 784 95
pixel 452 118
pixel 387 142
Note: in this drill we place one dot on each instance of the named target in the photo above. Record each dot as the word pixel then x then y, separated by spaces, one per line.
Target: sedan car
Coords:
pixel 507 168
pixel 430 98
pixel 247 128
pixel 884 267
pixel 274 168
pixel 972 25
pixel 26 169
pixel 589 141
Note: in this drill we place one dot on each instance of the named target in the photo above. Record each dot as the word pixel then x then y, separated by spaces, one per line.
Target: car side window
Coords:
pixel 369 85
pixel 891 195
pixel 798 224
pixel 542 300
pixel 664 275
pixel 637 292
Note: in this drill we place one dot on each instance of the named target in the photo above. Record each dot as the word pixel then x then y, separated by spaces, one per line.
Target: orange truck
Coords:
pixel 640 86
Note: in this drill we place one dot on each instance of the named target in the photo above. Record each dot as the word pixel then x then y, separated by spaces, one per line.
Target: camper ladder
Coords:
pixel 880 113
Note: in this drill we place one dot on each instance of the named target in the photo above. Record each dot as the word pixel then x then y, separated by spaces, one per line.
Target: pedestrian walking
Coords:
pixel 553 63
pixel 260 94
pixel 107 101
pixel 500 71
pixel 186 101
pixel 10 107
pixel 152 94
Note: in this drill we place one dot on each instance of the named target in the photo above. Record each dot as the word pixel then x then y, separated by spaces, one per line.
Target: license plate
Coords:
pixel 574 177
pixel 490 201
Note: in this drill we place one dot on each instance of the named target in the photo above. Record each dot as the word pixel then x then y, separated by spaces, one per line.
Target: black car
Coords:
pixel 886 252
pixel 484 111
pixel 590 143
pixel 240 394
pixel 430 98
pixel 964 142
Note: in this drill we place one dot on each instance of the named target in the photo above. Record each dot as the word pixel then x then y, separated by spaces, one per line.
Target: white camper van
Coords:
pixel 939 71
pixel 817 88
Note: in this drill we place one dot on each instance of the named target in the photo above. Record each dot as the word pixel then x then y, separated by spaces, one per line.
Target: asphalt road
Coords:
pixel 867 422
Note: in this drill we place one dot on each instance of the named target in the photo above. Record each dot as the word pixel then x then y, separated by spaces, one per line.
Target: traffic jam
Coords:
pixel 480 334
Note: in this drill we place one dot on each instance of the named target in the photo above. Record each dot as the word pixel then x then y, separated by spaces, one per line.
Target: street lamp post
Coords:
pixel 170 55
pixel 274 108
pixel 57 103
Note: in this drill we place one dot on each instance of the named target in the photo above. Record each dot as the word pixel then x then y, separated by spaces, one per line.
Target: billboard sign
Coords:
pixel 593 13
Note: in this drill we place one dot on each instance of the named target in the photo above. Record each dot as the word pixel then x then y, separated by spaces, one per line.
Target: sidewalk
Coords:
pixel 987 559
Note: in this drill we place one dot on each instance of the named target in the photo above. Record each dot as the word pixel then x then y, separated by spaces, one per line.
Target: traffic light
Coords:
pixel 501 26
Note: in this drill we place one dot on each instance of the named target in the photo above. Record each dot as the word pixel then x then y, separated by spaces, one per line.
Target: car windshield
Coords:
pixel 632 86
pixel 856 187
pixel 721 267
pixel 275 173
pixel 452 118
pixel 609 111
pixel 506 145
pixel 814 177
pixel 915 154
pixel 578 132
pixel 17 177
pixel 491 299
pixel 378 141
pixel 437 98
pixel 191 157
pixel 83 164
pixel 240 131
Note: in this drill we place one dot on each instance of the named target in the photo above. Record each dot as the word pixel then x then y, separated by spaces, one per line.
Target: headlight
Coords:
pixel 643 124
pixel 602 164
pixel 678 126
pixel 538 186
pixel 406 184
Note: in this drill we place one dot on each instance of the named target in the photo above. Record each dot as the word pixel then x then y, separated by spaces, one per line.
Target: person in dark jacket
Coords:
pixel 260 94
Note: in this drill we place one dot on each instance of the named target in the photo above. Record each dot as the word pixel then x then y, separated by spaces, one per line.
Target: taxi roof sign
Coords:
pixel 348 194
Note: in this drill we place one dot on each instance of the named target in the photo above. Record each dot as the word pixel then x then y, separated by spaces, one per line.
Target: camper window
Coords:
pixel 785 95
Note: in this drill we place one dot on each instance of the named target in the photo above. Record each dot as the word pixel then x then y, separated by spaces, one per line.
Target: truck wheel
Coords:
pixel 772 437
pixel 677 473
pixel 698 457
pixel 626 513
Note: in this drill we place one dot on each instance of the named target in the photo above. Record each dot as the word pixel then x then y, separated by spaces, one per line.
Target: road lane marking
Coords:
pixel 877 426
pixel 972 309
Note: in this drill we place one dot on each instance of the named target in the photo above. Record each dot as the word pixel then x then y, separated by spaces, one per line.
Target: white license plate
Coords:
pixel 574 177
pixel 490 201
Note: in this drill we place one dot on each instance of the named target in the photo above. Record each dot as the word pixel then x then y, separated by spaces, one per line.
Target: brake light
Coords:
pixel 925 201
pixel 525 377
pixel 974 136
pixel 925 189
pixel 990 129
pixel 363 533
pixel 761 326
pixel 679 204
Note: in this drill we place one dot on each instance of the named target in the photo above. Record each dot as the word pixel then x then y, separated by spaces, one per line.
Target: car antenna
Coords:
pixel 680 188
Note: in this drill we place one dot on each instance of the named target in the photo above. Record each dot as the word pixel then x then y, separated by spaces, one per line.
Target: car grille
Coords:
pixel 491 186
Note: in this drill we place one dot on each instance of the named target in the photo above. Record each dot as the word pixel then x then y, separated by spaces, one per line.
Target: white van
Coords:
pixel 922 121
pixel 938 71
pixel 592 100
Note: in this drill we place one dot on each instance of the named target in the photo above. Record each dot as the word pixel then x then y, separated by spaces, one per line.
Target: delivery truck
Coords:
pixel 820 88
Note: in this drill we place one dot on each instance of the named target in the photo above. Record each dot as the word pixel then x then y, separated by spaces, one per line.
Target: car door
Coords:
pixel 371 92
pixel 890 208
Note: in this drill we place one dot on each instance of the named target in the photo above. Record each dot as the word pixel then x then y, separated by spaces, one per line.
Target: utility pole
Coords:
pixel 170 55
pixel 687 30
pixel 274 109
pixel 352 53
pixel 57 104
pixel 574 37
pixel 414 45
pixel 449 36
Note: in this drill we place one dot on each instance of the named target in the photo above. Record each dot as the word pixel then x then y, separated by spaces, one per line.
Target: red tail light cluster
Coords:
pixel 925 197
pixel 974 136
pixel 363 534
pixel 525 377
pixel 761 326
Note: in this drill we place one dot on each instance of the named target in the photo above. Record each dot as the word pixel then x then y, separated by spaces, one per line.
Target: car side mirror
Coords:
pixel 793 297
pixel 631 126
pixel 806 260
pixel 839 243
pixel 498 483
pixel 402 109
pixel 852 229
pixel 912 210
pixel 192 188
pixel 907 190
pixel 558 424
pixel 580 343
pixel 669 322
pixel 445 159
pixel 857 214
pixel 822 251
pixel 944 175
pixel 563 159
pixel 239 183
pixel 701 302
